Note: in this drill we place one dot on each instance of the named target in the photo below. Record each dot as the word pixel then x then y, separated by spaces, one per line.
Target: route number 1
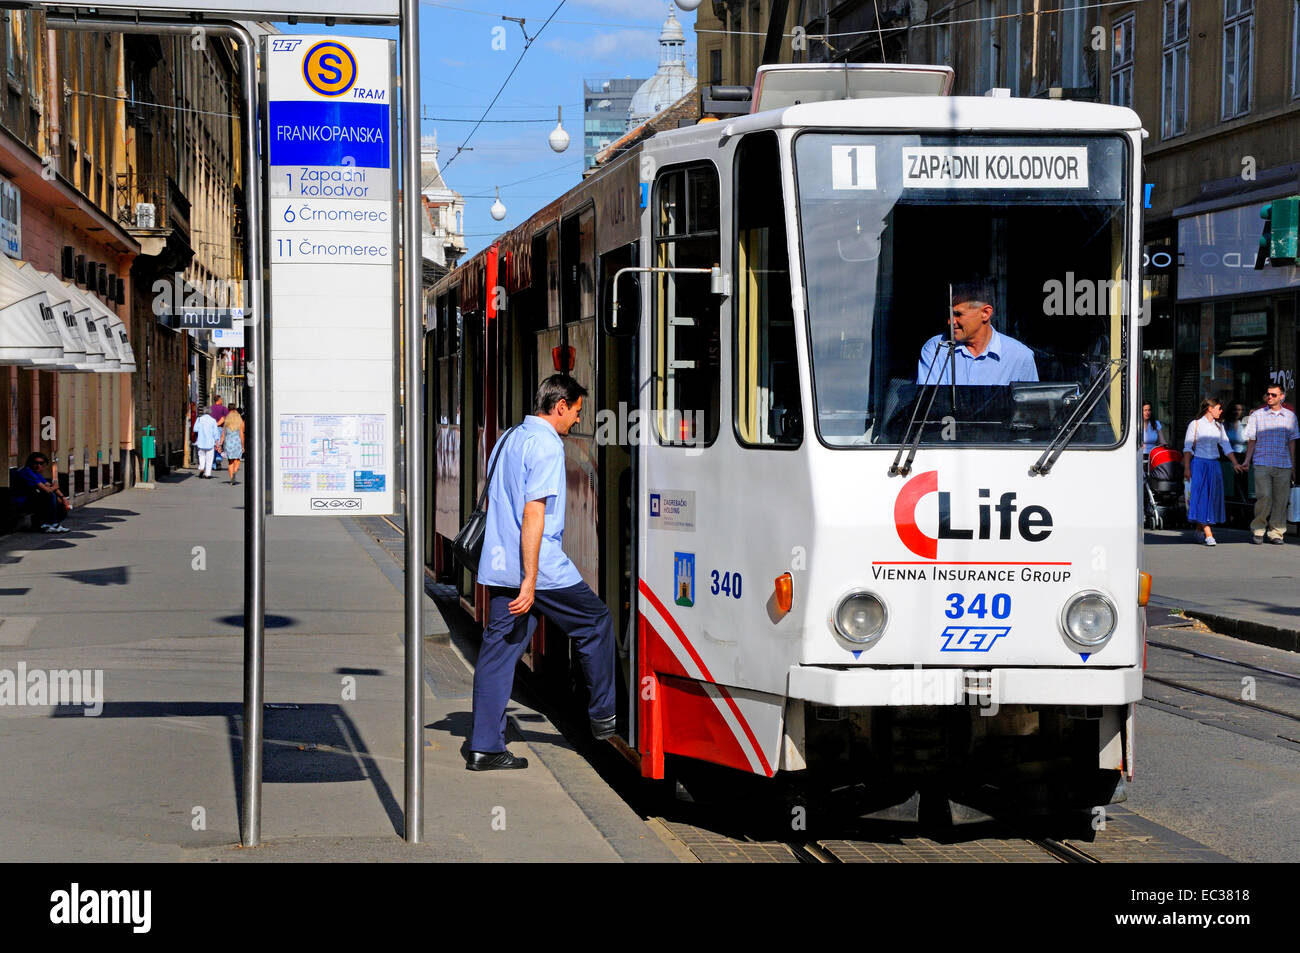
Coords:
pixel 853 167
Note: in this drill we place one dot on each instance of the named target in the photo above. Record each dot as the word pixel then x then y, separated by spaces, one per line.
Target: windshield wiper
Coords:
pixel 1082 409
pixel 911 441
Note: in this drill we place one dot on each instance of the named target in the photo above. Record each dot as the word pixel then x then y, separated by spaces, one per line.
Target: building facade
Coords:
pixel 61 137
pixel 1217 85
pixel 671 81
pixel 605 105
pixel 121 166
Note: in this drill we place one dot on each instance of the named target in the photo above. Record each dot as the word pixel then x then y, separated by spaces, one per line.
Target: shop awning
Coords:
pixel 114 336
pixel 125 351
pixel 28 336
pixel 1241 350
pixel 89 327
pixel 69 328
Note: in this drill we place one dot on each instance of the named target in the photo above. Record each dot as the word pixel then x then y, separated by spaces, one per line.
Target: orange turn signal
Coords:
pixel 784 591
pixel 1144 588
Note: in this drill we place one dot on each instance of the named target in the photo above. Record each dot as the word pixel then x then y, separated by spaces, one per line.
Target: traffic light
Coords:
pixel 1281 225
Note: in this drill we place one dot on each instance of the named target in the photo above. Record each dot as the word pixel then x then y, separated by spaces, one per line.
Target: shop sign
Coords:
pixel 11 219
pixel 1216 256
pixel 1249 324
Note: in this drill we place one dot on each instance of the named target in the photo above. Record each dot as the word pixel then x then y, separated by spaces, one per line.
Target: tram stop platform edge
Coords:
pixel 145 595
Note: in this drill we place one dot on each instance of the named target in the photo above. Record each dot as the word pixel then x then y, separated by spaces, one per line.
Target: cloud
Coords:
pixel 636 47
pixel 454 64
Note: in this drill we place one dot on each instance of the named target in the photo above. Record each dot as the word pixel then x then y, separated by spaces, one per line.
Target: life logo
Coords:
pixel 329 68
pixel 1033 523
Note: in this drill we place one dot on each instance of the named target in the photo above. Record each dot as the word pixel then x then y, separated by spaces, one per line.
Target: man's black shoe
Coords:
pixel 602 728
pixel 493 760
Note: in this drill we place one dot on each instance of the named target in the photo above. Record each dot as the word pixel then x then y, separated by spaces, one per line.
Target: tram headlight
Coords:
pixel 860 617
pixel 1089 619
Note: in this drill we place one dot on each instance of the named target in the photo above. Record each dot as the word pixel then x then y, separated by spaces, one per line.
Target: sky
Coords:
pixel 460 72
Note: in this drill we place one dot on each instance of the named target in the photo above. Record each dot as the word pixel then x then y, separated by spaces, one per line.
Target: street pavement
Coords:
pixel 148 588
pixel 1237 588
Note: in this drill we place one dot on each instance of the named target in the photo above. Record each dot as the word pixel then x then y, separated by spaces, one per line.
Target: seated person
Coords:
pixel 982 355
pixel 33 492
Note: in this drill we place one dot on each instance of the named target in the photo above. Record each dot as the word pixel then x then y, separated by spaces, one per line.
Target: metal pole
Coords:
pixel 413 435
pixel 250 820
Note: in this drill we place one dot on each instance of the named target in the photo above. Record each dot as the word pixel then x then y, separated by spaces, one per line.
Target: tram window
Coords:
pixel 687 343
pixel 766 364
pixel 1029 232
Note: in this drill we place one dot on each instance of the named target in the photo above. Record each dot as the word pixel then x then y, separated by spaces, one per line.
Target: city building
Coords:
pixel 61 138
pixel 443 241
pixel 180 193
pixel 120 157
pixel 671 81
pixel 1217 85
pixel 605 104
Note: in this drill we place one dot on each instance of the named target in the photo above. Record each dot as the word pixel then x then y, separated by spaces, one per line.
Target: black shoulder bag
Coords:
pixel 467 547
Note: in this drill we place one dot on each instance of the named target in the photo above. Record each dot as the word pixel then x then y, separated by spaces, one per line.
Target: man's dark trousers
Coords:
pixel 580 614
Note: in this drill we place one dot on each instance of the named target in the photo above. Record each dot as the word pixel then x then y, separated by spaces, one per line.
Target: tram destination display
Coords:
pixel 333 253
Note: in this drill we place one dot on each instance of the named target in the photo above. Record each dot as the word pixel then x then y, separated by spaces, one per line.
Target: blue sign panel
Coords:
pixel 329 133
pixel 366 481
pixel 684 579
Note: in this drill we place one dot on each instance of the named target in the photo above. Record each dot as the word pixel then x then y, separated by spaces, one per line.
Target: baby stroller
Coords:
pixel 1164 505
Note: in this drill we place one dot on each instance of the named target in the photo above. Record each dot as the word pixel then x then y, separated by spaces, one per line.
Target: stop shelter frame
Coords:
pixel 220 17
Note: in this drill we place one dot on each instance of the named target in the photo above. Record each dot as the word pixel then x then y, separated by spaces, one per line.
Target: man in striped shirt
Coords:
pixel 1271 434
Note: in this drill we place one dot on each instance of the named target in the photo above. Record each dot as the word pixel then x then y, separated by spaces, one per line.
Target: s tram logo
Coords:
pixel 329 68
pixel 1034 523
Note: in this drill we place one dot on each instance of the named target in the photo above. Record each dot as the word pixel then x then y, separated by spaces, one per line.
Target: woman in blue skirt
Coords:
pixel 1205 438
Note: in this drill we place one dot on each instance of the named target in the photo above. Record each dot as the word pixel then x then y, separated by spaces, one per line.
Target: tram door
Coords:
pixel 471 432
pixel 616 438
pixel 681 399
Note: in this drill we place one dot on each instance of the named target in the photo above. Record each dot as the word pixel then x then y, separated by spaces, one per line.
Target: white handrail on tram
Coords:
pixel 719 283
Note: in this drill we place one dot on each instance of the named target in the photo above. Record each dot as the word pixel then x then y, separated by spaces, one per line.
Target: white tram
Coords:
pixel 825 554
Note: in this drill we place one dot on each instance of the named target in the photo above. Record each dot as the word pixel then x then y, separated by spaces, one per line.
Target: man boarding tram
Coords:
pixel 525 568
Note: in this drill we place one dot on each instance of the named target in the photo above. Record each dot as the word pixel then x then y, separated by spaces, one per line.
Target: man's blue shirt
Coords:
pixel 25 488
pixel 531 467
pixel 1005 360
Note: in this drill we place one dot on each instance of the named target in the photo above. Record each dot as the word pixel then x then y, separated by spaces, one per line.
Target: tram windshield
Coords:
pixel 976 284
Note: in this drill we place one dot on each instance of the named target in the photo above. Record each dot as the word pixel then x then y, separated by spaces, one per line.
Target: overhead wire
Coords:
pixel 528 43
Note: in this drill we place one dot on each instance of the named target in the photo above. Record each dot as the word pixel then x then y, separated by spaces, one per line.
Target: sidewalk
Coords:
pixel 157 775
pixel 1236 588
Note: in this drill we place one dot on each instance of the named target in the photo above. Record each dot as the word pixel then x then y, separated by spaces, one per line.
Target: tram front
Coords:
pixel 971 322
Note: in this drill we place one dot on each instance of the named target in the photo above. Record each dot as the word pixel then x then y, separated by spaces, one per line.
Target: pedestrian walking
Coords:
pixel 231 443
pixel 1205 438
pixel 206 432
pixel 1271 434
pixel 218 411
pixel 524 566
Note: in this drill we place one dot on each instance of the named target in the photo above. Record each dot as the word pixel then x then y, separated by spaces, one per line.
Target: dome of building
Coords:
pixel 670 82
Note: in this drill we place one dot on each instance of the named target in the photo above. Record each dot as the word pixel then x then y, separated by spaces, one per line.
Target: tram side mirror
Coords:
pixel 624 316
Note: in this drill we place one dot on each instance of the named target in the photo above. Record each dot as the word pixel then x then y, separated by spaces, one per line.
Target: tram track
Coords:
pixel 706 845
pixel 724 837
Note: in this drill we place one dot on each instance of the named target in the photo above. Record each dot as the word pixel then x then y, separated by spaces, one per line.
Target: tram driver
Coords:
pixel 980 353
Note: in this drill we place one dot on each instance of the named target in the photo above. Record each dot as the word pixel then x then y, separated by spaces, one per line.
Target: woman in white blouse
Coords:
pixel 1205 438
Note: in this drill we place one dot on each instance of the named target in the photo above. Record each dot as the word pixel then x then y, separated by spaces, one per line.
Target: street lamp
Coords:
pixel 688 5
pixel 498 209
pixel 559 138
